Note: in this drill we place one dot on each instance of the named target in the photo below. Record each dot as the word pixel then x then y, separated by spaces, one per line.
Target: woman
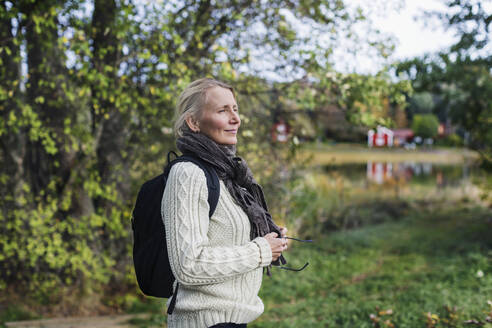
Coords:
pixel 218 261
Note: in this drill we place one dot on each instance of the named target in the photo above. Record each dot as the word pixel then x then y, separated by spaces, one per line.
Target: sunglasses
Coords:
pixel 305 265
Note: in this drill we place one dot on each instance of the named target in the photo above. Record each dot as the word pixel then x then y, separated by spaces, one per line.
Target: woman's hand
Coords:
pixel 283 233
pixel 278 245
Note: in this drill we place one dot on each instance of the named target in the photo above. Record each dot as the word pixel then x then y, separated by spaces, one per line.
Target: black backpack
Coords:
pixel 150 255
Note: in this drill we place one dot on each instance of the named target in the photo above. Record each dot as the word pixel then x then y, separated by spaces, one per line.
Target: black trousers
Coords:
pixel 229 325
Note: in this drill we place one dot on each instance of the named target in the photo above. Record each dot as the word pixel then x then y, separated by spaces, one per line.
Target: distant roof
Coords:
pixel 383 130
pixel 403 133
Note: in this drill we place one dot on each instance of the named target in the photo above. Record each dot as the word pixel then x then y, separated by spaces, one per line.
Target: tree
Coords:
pixel 421 103
pixel 461 76
pixel 400 118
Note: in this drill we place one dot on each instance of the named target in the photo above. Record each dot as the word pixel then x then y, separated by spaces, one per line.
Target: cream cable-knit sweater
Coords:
pixel 217 266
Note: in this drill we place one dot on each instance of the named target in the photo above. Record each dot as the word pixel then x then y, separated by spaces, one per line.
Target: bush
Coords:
pixel 426 125
pixel 452 140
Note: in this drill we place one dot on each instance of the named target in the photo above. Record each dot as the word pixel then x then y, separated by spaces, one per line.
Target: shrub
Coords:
pixel 425 125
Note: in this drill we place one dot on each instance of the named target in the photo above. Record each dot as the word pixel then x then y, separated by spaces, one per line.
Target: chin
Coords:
pixel 229 142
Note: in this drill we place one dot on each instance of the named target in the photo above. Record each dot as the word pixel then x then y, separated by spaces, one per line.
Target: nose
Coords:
pixel 234 118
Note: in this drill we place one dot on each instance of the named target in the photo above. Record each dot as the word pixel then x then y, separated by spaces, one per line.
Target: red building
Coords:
pixel 382 137
pixel 280 131
pixel 402 136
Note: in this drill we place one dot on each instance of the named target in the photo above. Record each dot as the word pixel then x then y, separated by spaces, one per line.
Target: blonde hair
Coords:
pixel 192 100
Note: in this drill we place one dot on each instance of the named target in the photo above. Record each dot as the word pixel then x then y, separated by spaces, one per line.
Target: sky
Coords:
pixel 413 36
pixel 402 19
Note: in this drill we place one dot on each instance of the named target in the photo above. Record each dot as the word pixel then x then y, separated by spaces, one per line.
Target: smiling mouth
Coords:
pixel 231 131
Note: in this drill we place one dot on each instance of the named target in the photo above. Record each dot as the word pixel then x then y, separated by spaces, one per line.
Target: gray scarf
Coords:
pixel 238 179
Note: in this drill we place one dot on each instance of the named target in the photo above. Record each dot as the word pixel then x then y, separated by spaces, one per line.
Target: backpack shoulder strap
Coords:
pixel 213 184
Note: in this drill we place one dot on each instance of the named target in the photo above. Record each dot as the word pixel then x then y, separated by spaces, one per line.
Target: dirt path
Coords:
pixel 112 321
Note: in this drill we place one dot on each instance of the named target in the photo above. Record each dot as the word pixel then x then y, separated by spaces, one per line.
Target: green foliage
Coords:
pixel 471 20
pixel 471 104
pixel 460 77
pixel 452 140
pixel 425 125
pixel 360 100
pixel 14 313
pixel 421 103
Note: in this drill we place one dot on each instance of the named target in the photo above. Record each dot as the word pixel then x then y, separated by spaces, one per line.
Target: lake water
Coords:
pixel 407 177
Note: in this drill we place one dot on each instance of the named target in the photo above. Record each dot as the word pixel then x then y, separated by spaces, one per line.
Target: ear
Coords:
pixel 193 124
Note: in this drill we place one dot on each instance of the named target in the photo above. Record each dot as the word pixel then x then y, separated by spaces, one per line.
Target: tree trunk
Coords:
pixel 105 115
pixel 12 148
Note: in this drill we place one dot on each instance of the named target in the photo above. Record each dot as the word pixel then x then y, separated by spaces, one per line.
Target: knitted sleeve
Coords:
pixel 185 213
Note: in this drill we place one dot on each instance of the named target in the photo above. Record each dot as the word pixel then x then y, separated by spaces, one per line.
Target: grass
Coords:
pixel 408 268
pixel 15 313
pixel 357 153
pixel 431 268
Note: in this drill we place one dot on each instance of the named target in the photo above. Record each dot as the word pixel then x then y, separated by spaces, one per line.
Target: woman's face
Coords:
pixel 219 118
